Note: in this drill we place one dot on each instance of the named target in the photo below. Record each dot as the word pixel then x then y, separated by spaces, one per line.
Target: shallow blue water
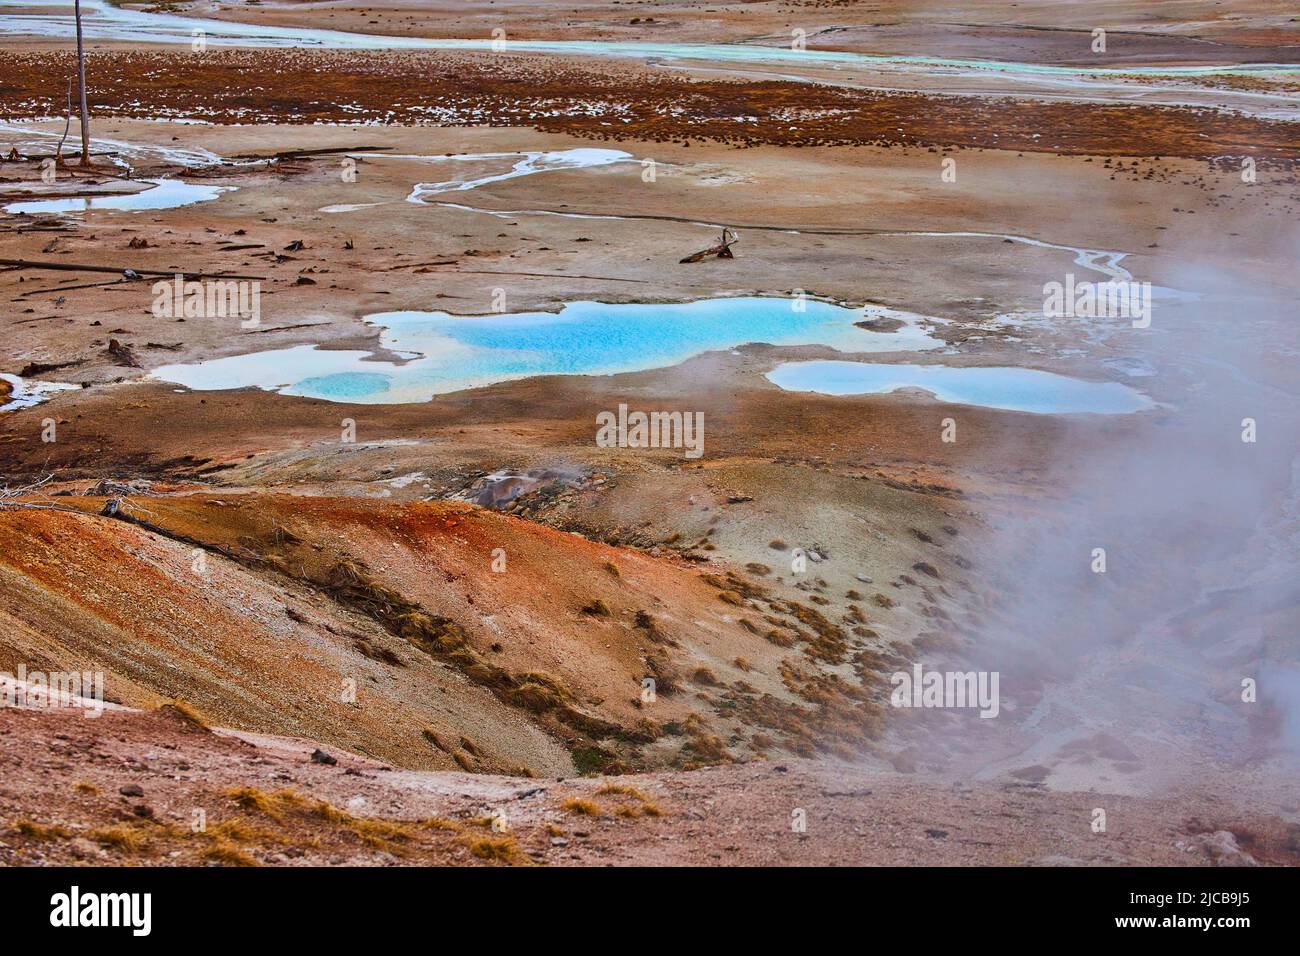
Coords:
pixel 1014 389
pixel 452 352
pixel 165 194
pixel 105 21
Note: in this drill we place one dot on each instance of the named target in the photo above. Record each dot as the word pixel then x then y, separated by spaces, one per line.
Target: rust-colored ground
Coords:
pixel 551 95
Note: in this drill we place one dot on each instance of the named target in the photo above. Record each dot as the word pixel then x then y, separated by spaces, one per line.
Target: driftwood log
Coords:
pixel 81 267
pixel 721 249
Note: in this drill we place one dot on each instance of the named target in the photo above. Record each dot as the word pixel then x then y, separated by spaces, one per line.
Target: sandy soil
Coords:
pixel 135 788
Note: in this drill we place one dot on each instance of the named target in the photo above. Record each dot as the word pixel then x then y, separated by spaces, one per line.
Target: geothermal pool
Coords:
pixel 1013 389
pixel 442 352
pixel 164 194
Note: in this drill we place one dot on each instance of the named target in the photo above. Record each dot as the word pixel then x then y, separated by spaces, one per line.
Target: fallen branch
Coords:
pixel 303 153
pixel 284 328
pixel 545 275
pixel 78 267
pixel 721 249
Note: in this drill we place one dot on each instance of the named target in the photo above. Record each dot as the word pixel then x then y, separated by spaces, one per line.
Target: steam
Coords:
pixel 1199 532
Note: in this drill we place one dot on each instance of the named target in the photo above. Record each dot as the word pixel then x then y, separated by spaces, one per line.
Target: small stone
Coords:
pixel 132 790
pixel 320 756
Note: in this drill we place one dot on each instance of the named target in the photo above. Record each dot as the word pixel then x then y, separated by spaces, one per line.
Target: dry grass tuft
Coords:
pixel 436 823
pixel 383 830
pixel 185 713
pixel 330 813
pixel 597 608
pixel 496 849
pixel 39 831
pixel 705 677
pixel 583 808
pixel 240 831
pixel 85 786
pixel 222 851
pixel 644 807
pixel 250 798
pixel 622 789
pixel 120 836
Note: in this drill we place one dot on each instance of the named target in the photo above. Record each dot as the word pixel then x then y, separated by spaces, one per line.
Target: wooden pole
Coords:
pixel 81 79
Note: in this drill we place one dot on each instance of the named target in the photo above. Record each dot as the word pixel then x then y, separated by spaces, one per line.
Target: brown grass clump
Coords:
pixel 183 712
pixel 597 608
pixel 580 807
pixel 779 638
pixel 222 851
pixel 707 749
pixel 330 813
pixel 612 568
pixel 538 692
pixel 85 786
pixel 667 677
pixel 382 835
pixel 494 849
pixel 647 623
pixel 384 829
pixel 705 677
pixel 120 836
pixel 250 798
pixel 39 831
pixel 464 761
pixel 436 823
pixel 241 831
pixel 621 789
pixel 644 807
